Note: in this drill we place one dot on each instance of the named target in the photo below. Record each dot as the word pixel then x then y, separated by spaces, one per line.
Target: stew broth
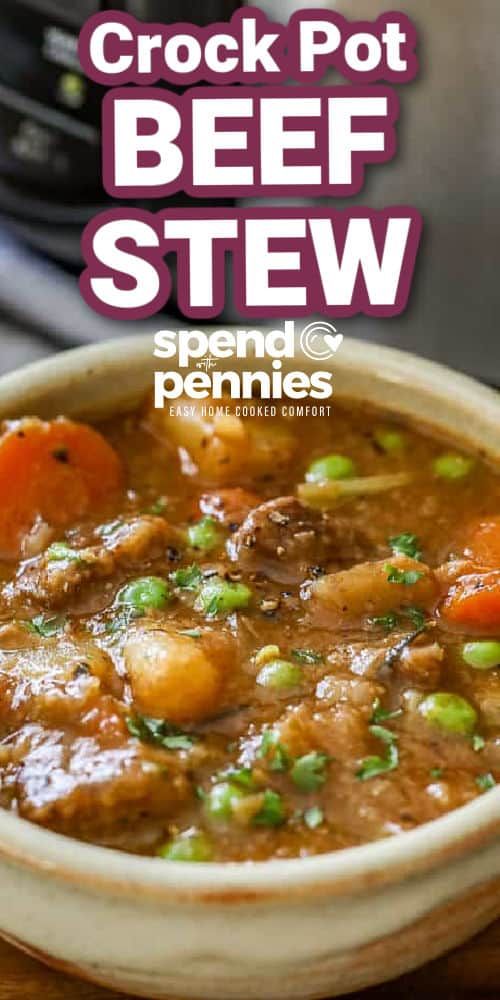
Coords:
pixel 230 640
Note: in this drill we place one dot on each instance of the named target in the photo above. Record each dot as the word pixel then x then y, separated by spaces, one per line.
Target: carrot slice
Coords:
pixel 474 601
pixel 57 471
pixel 483 545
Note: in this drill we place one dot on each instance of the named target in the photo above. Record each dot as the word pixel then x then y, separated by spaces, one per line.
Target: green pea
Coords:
pixel 330 467
pixel 482 655
pixel 220 596
pixel 280 674
pixel 452 466
pixel 220 801
pixel 144 593
pixel 204 534
pixel 389 440
pixel 449 711
pixel 191 845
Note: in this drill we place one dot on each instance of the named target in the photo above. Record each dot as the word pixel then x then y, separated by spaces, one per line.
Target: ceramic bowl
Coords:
pixel 312 927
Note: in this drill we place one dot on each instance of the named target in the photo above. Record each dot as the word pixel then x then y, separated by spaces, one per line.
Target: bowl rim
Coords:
pixel 343 872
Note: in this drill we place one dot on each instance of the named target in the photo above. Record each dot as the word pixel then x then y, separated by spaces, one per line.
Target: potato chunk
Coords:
pixel 171 676
pixel 224 448
pixel 367 589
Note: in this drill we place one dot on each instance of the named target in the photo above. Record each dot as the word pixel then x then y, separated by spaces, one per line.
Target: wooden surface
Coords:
pixel 471 973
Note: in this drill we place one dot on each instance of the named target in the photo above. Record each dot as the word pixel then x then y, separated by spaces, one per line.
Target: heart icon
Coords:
pixel 333 342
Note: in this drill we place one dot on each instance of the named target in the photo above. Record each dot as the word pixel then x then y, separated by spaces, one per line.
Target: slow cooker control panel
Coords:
pixel 76 11
pixel 49 113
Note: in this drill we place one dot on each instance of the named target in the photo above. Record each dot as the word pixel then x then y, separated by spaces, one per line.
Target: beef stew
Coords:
pixel 227 639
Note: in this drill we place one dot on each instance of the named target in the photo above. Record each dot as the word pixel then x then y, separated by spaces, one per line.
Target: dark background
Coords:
pixel 447 166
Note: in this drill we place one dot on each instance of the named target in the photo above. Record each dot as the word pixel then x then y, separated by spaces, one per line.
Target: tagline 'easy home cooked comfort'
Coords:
pixel 235 640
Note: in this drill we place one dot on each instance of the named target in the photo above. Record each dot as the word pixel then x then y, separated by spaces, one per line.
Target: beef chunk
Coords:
pixel 422 664
pixel 230 506
pixel 55 682
pixel 89 790
pixel 283 539
pixel 53 583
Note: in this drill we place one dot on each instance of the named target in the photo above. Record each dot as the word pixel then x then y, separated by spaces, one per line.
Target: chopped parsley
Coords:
pixel 274 751
pixel 307 656
pixel 188 578
pixel 158 507
pixel 60 550
pixel 191 633
pixel 436 772
pixel 242 776
pixel 416 616
pixel 309 772
pixel 382 733
pixel 387 622
pixel 396 619
pixel 405 576
pixel 271 812
pixel 45 627
pixel 313 817
pixel 478 743
pixel 122 620
pixel 382 715
pixel 212 607
pixel 222 596
pixel 159 732
pixel 376 765
pixel 485 782
pixel 405 545
pixel 108 530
